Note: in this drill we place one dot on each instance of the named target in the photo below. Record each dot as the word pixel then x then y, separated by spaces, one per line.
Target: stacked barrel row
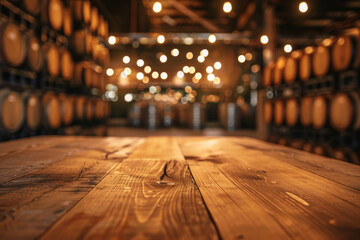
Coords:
pixel 337 110
pixel 32 110
pixel 62 44
pixel 153 115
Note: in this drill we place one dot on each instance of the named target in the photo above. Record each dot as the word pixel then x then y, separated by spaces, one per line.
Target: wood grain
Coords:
pixel 150 195
pixel 252 193
pixel 31 204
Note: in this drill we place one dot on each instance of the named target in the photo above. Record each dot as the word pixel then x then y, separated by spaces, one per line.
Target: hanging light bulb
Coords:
pixel 157 7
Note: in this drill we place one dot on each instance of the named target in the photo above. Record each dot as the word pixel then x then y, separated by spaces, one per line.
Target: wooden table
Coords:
pixel 173 188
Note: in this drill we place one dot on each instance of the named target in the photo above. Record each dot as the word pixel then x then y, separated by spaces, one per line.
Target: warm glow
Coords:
pixel 163 75
pixel 161 39
pixel 192 70
pixel 175 52
pixel 198 75
pixel 204 52
pixel 145 79
pixel 212 38
pixel 211 77
pixel 186 69
pixel 147 69
pixel 209 69
pixel 110 72
pixel 217 80
pixel 140 63
pixel 128 97
pixel 180 74
pixel 264 39
pixel 163 58
pixel 189 55
pixel 157 7
pixel 227 7
pixel 303 7
pixel 287 48
pixel 241 59
pixel 112 40
pixel 126 59
pixel 248 56
pixel 201 59
pixel 188 41
pixel 217 65
pixel 139 75
pixel 127 71
pixel 155 75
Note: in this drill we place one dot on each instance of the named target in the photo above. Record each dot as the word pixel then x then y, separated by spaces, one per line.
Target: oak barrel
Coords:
pixel 80 108
pixel 308 146
pixel 86 11
pixel 68 22
pixel 319 113
pixel 100 29
pixel 33 110
pixel 305 64
pixel 67 109
pixel 11 111
pixel 322 149
pixel 291 67
pixel 66 64
pixel 52 59
pixel 268 74
pixel 306 111
pixel 52 110
pixel 345 111
pixel 12 44
pixel 321 61
pixel 268 112
pixel 90 109
pixel 279 70
pixel 34 58
pixel 344 52
pixel 278 112
pixel 32 6
pixel 53 13
pixel 292 112
pixel 94 22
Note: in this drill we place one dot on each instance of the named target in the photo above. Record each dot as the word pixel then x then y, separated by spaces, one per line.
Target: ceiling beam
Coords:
pixel 196 18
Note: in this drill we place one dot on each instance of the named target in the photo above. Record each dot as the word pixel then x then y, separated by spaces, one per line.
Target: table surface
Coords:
pixel 173 188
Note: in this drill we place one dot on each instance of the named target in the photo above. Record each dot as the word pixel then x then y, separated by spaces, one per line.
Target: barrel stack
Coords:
pixel 52 53
pixel 322 113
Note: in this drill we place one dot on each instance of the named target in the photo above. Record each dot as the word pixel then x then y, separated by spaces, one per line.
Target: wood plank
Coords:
pixel 31 204
pixel 253 195
pixel 40 152
pixel 150 195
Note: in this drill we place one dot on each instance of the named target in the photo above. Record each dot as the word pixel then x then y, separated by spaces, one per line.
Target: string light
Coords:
pixel 204 52
pixel 161 39
pixel 287 48
pixel 201 59
pixel 180 74
pixel 157 7
pixel 140 63
pixel 163 75
pixel 189 55
pixel 155 75
pixel 110 72
pixel 175 52
pixel 112 40
pixel 227 7
pixel 139 75
pixel 147 69
pixel 217 65
pixel 264 39
pixel 211 77
pixel 212 38
pixel 209 69
pixel 241 59
pixel 163 58
pixel 126 59
pixel 303 7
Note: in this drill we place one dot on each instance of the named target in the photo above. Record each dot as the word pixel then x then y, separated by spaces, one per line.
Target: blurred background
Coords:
pixel 282 71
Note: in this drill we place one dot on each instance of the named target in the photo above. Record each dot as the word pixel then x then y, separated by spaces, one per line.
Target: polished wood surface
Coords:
pixel 173 188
